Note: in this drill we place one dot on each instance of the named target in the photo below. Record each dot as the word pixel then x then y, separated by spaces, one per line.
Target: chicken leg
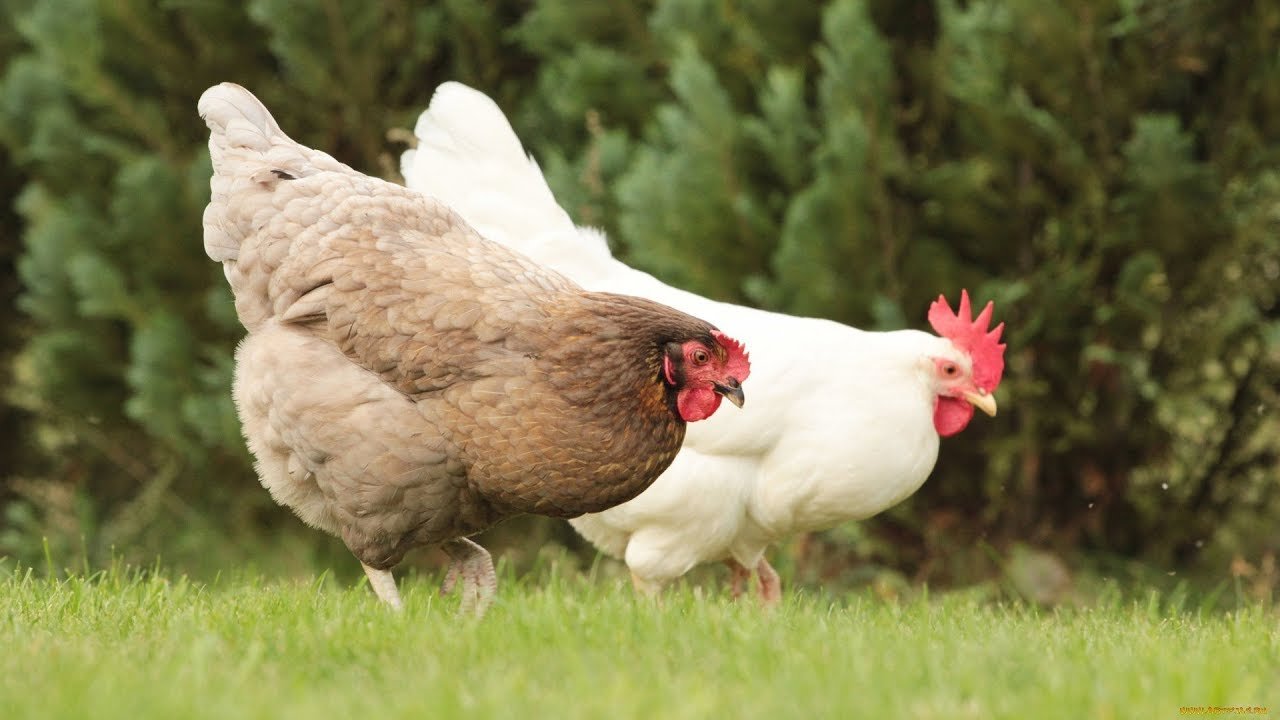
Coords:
pixel 739 579
pixel 473 565
pixel 770 585
pixel 384 586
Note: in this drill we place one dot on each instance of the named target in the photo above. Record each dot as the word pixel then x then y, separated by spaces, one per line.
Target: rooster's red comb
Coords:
pixel 971 336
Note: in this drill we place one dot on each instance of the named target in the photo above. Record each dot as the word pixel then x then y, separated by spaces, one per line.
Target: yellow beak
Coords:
pixel 983 400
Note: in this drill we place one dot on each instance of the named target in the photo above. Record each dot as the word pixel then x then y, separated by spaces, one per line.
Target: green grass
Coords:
pixel 122 645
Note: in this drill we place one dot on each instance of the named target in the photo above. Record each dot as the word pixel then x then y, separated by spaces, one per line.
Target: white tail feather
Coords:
pixel 469 158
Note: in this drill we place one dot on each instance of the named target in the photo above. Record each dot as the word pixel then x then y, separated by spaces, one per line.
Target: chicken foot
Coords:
pixel 770 585
pixel 473 566
pixel 384 586
pixel 739 578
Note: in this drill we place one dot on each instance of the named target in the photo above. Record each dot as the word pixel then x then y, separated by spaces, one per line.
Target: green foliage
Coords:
pixel 1103 169
pixel 15 444
pixel 701 145
pixel 833 227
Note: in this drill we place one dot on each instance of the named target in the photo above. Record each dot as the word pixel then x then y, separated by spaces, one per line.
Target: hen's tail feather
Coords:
pixel 237 119
pixel 250 153
pixel 469 158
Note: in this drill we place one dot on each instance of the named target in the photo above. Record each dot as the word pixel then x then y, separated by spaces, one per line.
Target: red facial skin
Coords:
pixel 704 367
pixel 952 412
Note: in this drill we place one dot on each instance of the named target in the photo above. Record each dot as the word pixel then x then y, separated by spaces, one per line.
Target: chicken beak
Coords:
pixel 731 390
pixel 981 399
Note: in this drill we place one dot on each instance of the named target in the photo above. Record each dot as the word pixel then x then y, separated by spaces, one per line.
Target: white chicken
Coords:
pixel 820 443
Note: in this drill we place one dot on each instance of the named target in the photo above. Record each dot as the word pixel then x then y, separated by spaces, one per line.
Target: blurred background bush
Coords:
pixel 1108 171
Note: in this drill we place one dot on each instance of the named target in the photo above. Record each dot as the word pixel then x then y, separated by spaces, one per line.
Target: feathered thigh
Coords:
pixel 345 451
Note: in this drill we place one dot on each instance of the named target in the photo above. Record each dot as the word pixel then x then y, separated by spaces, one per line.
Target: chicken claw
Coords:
pixel 770 583
pixel 739 578
pixel 471 564
pixel 384 586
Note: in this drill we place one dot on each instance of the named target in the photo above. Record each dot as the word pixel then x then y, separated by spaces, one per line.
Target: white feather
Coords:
pixel 468 153
pixel 838 422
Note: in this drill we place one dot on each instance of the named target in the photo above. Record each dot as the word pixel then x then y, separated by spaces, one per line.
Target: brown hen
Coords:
pixel 405 382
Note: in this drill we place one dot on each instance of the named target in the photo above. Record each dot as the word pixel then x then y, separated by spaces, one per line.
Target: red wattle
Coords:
pixel 951 415
pixel 697 404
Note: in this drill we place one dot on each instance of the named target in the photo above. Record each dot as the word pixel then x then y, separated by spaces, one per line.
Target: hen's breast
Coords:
pixel 847 454
pixel 568 436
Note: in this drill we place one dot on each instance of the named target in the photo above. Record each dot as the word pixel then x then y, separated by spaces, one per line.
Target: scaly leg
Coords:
pixel 384 586
pixel 473 566
pixel 739 579
pixel 770 583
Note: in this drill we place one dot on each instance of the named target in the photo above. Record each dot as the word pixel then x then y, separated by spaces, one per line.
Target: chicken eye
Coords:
pixel 700 357
pixel 950 369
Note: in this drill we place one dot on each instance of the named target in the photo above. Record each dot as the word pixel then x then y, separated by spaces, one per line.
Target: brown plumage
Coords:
pixel 406 382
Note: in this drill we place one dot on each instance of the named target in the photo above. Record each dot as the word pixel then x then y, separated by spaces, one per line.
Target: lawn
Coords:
pixel 121 645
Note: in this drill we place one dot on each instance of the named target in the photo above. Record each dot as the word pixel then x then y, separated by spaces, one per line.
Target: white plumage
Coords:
pixel 840 422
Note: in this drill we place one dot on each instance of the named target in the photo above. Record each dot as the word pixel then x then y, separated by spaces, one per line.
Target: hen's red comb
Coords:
pixel 971 336
pixel 738 363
